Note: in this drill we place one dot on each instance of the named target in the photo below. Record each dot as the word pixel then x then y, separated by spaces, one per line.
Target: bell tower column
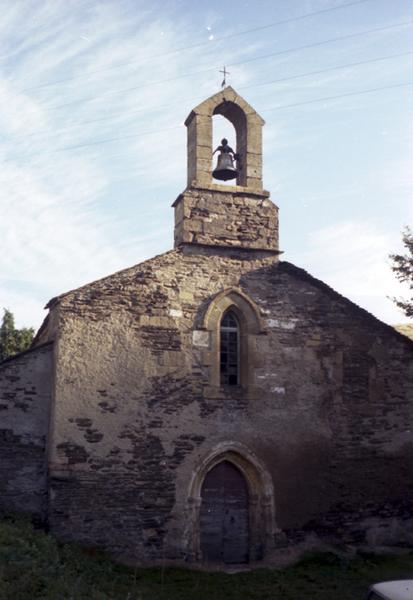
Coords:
pixel 212 214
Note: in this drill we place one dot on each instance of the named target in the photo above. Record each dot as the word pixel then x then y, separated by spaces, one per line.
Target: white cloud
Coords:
pixel 46 237
pixel 60 224
pixel 353 258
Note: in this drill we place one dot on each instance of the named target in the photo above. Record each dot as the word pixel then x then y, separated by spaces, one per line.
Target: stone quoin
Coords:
pixel 213 404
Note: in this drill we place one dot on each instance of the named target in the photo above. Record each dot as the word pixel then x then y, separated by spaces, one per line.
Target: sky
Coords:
pixel 93 97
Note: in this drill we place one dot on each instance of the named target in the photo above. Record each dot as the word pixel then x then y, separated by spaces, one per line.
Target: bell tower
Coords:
pixel 227 216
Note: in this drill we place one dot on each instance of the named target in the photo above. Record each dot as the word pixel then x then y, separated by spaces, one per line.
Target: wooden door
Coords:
pixel 224 516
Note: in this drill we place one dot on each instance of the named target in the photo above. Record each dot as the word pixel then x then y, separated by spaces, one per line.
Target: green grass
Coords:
pixel 35 566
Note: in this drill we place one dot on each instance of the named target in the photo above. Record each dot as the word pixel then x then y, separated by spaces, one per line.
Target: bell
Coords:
pixel 225 168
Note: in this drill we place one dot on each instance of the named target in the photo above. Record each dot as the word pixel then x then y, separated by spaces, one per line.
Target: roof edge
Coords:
pixel 228 94
pixel 56 299
pixel 25 352
pixel 304 275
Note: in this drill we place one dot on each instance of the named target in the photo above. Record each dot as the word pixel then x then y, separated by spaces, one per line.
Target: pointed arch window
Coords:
pixel 230 349
pixel 233 323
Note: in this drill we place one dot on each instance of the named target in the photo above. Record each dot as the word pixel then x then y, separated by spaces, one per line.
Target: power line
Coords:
pixel 244 87
pixel 345 95
pixel 105 141
pixel 270 109
pixel 116 139
pixel 200 44
pixel 328 69
pixel 272 54
pixel 328 41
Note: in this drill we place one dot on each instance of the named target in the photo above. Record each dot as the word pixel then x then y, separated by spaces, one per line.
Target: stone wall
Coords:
pixel 25 397
pixel 326 410
pixel 216 216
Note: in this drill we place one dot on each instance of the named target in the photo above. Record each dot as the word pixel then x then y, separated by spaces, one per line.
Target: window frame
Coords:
pixel 251 326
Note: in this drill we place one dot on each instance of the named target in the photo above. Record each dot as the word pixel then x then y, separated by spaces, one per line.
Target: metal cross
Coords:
pixel 224 81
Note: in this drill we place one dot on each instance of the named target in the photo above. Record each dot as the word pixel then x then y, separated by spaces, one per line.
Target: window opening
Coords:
pixel 222 128
pixel 229 331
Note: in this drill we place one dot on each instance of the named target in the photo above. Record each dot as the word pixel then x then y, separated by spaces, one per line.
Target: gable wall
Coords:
pixel 349 377
pixel 327 412
pixel 25 398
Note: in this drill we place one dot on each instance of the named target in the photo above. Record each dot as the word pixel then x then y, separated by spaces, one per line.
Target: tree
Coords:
pixel 403 267
pixel 12 340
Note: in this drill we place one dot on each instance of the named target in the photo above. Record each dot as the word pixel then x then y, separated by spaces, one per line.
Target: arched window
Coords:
pixel 229 349
pixel 231 323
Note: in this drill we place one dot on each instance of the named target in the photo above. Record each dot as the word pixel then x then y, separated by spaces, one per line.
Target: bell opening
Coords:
pixel 224 167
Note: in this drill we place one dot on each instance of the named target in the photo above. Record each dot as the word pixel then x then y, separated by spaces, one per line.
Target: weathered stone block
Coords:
pixel 220 218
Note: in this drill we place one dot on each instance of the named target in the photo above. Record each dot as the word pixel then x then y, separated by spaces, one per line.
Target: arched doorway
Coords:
pixel 259 493
pixel 224 515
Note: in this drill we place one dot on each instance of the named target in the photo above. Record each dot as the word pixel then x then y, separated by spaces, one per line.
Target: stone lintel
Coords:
pixel 227 95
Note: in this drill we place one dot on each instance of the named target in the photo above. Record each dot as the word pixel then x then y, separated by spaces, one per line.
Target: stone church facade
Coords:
pixel 214 403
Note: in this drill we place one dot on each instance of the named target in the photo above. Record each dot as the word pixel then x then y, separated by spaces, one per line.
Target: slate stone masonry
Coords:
pixel 330 417
pixel 25 399
pixel 218 216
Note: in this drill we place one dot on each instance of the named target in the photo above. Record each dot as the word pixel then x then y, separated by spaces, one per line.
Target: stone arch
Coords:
pixel 237 117
pixel 247 311
pixel 261 498
pixel 250 322
pixel 248 126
